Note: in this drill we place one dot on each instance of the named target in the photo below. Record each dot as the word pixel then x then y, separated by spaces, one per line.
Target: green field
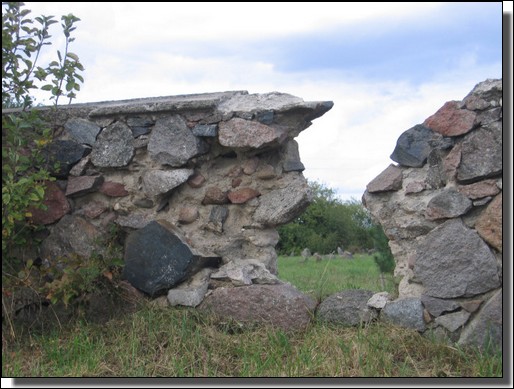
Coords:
pixel 181 342
pixel 321 279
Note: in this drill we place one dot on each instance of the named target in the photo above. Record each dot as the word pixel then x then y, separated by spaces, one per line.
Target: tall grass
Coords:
pixel 180 342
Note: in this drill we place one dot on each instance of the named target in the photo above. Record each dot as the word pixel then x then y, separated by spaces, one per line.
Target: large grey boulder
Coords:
pixel 452 261
pixel 348 308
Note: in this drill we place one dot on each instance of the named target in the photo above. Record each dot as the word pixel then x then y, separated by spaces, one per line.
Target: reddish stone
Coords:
pixel 83 184
pixel 196 180
pixel 56 203
pixel 280 305
pixel 113 189
pixel 242 195
pixel 450 120
pixel 480 189
pixel 489 224
pixel 240 133
pixel 214 195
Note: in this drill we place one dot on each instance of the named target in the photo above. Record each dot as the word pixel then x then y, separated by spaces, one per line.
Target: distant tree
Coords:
pixel 326 224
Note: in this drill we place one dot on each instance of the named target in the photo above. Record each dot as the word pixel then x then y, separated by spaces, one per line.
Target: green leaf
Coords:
pixel 73 56
pixel 47 87
pixel 40 191
pixel 34 197
pixel 6 198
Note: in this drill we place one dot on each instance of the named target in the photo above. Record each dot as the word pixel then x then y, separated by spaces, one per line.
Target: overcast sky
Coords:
pixel 386 66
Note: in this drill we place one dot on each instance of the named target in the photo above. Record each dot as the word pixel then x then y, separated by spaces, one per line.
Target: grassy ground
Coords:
pixel 166 342
pixel 321 279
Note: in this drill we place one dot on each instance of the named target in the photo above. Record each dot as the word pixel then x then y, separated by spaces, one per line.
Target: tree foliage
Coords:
pixel 24 134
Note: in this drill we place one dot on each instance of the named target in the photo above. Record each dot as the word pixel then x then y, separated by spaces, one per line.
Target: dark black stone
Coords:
pixel 82 130
pixel 156 259
pixel 207 130
pixel 61 155
pixel 265 117
pixel 292 166
pixel 140 126
pixel 412 147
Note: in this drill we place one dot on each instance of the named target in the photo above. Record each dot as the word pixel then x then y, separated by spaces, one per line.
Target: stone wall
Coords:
pixel 441 208
pixel 194 181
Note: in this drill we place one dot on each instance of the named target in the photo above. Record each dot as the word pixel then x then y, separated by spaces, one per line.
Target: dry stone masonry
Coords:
pixel 441 208
pixel 195 181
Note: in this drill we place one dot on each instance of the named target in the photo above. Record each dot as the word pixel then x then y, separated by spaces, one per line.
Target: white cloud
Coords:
pixel 127 24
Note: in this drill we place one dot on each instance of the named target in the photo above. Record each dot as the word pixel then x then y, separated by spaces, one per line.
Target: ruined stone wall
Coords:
pixel 190 178
pixel 441 208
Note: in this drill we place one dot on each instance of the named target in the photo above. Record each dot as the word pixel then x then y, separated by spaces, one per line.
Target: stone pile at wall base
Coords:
pixel 441 208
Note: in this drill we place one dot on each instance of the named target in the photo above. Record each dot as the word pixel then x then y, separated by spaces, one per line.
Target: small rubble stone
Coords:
pixel 242 195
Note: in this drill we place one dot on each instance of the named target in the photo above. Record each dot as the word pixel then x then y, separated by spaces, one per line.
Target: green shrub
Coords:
pixel 24 133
